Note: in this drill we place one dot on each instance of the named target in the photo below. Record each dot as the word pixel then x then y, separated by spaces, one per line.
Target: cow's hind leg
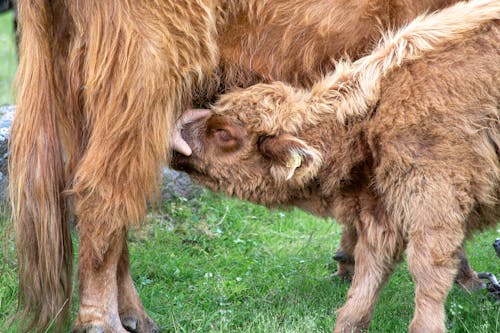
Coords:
pixel 130 96
pixel 132 314
pixel 98 290
pixel 112 185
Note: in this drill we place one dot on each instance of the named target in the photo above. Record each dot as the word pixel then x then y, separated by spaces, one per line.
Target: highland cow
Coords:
pixel 100 86
pixel 402 146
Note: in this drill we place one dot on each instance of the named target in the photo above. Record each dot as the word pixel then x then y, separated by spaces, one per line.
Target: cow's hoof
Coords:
pixel 134 325
pixel 92 328
pixel 98 327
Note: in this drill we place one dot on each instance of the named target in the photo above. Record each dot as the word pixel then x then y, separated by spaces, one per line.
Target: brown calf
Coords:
pixel 401 146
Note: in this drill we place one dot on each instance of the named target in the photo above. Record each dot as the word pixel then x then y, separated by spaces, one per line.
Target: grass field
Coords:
pixel 7 58
pixel 220 265
pixel 214 264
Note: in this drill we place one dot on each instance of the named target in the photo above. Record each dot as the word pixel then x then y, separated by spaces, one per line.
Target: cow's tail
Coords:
pixel 36 167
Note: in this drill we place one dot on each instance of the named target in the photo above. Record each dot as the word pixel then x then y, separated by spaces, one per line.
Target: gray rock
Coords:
pixel 178 185
pixel 175 184
pixel 6 117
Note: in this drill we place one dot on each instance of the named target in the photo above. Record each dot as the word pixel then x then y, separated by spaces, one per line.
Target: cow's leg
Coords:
pixel 113 181
pixel 131 91
pixel 134 79
pixel 377 250
pixel 98 288
pixel 132 314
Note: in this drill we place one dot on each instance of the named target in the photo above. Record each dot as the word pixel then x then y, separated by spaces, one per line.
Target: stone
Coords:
pixel 175 184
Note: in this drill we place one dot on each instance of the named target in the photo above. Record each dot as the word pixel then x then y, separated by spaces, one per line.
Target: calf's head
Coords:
pixel 249 147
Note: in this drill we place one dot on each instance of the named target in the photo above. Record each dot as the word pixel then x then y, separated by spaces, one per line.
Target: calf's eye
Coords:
pixel 226 141
pixel 224 135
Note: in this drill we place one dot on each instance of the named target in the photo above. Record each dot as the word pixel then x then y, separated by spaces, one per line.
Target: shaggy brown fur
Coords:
pixel 100 84
pixel 418 172
pixel 298 41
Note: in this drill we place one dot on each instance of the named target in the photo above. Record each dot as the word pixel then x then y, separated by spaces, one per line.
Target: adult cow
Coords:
pixel 100 85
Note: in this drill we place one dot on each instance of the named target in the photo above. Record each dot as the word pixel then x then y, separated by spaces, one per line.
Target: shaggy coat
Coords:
pixel 407 157
pixel 99 87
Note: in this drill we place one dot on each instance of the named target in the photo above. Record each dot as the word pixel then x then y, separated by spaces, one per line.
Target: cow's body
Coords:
pixel 100 85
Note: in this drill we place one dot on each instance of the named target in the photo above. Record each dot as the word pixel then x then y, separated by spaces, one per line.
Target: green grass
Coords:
pixel 8 59
pixel 236 267
pixel 220 265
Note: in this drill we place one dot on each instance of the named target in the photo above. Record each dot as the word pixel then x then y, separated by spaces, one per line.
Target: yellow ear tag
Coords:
pixel 294 162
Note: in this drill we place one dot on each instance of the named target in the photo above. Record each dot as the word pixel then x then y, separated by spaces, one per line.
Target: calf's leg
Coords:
pixel 466 277
pixel 435 217
pixel 433 262
pixel 376 253
pixel 345 254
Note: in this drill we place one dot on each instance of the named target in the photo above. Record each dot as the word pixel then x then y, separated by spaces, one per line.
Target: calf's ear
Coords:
pixel 291 157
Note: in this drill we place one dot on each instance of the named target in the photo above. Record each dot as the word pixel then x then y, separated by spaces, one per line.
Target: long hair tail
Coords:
pixel 36 170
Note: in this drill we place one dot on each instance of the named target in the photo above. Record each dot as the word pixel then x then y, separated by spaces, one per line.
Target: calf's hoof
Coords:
pixel 471 283
pixel 496 246
pixel 342 257
pixel 343 274
pixel 345 266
